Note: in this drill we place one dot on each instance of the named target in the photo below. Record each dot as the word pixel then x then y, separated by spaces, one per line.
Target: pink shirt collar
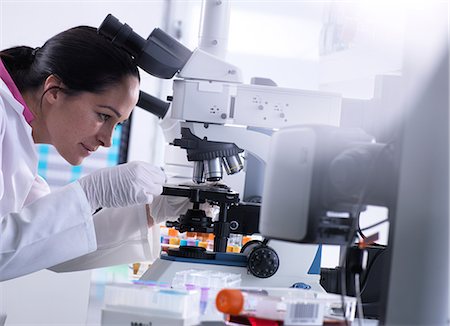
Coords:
pixel 4 75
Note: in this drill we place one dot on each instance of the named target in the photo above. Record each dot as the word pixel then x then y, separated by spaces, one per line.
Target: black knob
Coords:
pixel 263 261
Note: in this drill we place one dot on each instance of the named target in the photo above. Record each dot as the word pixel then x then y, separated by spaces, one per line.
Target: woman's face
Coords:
pixel 78 125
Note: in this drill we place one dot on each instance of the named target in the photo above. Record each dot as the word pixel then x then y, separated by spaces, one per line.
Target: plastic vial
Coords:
pixel 258 305
pixel 241 302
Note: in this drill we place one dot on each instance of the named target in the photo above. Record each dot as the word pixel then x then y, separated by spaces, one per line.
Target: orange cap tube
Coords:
pixel 230 301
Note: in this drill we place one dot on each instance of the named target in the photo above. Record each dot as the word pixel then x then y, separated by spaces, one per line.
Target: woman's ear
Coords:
pixel 52 86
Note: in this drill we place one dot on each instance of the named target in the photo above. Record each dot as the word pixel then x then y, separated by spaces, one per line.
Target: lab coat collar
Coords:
pixel 8 81
pixel 5 95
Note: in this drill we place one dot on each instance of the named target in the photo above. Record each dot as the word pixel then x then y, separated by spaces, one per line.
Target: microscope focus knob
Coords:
pixel 262 261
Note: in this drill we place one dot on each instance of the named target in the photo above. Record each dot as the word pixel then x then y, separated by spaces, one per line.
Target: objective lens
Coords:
pixel 213 169
pixel 232 164
pixel 198 176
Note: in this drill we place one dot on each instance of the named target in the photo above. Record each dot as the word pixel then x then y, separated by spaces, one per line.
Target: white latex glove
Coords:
pixel 123 185
pixel 169 208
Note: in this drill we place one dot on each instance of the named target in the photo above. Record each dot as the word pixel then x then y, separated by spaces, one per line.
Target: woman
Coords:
pixel 70 93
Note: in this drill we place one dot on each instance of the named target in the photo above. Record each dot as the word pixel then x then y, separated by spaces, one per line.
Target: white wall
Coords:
pixel 46 298
pixel 274 39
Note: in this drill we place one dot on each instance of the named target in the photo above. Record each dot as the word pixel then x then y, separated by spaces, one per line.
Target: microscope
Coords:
pixel 223 124
pixel 316 175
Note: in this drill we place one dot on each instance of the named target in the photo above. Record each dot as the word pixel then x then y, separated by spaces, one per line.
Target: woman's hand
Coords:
pixel 123 185
pixel 169 208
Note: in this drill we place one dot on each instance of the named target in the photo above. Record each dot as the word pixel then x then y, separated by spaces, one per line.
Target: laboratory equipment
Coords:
pixel 330 176
pixel 143 303
pixel 205 278
pixel 152 104
pixel 216 95
pixel 418 206
pixel 218 120
pixel 287 306
pixel 209 283
pixel 371 278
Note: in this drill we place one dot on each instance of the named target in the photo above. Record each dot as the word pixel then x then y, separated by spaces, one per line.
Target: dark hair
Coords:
pixel 84 61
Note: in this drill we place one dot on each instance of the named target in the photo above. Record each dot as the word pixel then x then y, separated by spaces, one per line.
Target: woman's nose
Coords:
pixel 105 137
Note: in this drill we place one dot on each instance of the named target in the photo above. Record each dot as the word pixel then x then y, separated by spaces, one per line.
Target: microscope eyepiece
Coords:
pixel 160 55
pixel 122 35
pixel 152 104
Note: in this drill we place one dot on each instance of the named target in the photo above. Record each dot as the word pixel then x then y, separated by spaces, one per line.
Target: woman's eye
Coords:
pixel 103 117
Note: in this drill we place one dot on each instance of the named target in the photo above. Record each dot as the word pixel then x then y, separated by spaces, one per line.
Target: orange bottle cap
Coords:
pixel 191 234
pixel 230 301
pixel 173 232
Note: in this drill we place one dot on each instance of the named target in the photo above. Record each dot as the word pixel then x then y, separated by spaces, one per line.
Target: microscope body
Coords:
pixel 208 115
pixel 218 122
pixel 242 114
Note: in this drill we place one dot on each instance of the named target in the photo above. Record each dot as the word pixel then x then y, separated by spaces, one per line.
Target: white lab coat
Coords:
pixel 39 229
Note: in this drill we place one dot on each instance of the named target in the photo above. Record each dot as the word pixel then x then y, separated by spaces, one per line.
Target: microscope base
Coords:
pixel 288 274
